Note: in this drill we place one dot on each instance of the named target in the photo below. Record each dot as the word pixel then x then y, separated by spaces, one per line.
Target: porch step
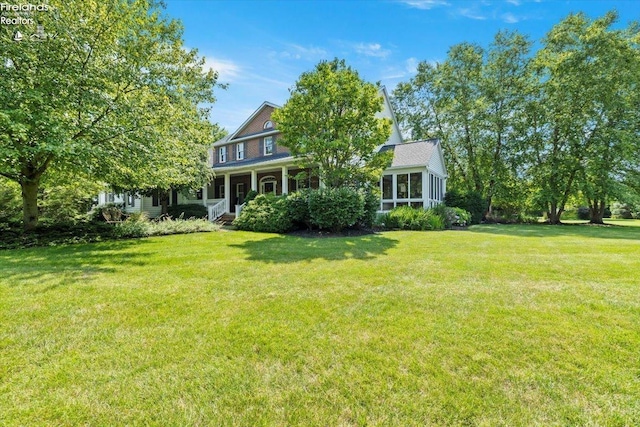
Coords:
pixel 226 219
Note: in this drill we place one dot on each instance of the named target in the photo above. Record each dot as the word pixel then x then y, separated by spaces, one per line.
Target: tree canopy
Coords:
pixel 108 92
pixel 330 121
pixel 531 131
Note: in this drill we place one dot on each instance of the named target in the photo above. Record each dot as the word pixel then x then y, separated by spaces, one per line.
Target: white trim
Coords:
pixel 252 116
pixel 238 152
pixel 264 145
pixel 222 154
pixel 269 179
pixel 258 135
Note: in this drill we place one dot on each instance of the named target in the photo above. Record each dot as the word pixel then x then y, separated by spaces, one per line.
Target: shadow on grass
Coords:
pixel 288 249
pixel 68 263
pixel 545 230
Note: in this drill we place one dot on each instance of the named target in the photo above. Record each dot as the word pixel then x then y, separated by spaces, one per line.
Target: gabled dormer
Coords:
pixel 255 140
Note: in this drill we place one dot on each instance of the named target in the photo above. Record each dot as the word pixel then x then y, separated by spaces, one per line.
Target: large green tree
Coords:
pixel 330 122
pixel 586 122
pixel 474 102
pixel 107 91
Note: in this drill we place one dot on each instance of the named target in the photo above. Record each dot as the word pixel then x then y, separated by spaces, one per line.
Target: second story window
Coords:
pixel 222 154
pixel 268 146
pixel 267 125
pixel 240 151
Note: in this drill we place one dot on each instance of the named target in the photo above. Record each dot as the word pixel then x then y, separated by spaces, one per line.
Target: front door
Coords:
pixel 239 193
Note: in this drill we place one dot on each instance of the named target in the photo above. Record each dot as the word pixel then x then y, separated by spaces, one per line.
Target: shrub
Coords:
pixel 10 202
pixel 335 208
pixel 472 202
pixel 187 211
pixel 298 208
pixel 408 218
pixel 371 205
pixel 169 225
pixel 130 229
pixel 96 214
pixel 452 216
pixel 266 213
pixel 250 196
pixel 583 213
pixel 622 211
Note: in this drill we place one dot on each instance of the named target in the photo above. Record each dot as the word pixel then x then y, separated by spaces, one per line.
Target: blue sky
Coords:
pixel 260 47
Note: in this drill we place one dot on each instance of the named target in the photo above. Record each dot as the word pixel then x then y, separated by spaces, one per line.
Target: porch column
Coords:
pixel 254 180
pixel 205 195
pixel 285 180
pixel 425 189
pixel 227 191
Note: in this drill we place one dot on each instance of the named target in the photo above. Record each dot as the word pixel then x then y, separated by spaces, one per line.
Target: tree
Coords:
pixel 330 121
pixel 586 119
pixel 108 92
pixel 474 102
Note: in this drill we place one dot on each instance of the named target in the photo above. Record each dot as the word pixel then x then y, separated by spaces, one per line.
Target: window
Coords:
pixel 268 184
pixel 387 187
pixel 415 185
pixel 220 192
pixel 222 154
pixel 268 125
pixel 240 151
pixel 131 199
pixel 199 194
pixel 268 146
pixel 155 198
pixel 111 197
pixel 239 193
pixel 402 189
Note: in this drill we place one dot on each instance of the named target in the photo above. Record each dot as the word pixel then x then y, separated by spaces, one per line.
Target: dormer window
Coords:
pixel 268 146
pixel 222 154
pixel 268 125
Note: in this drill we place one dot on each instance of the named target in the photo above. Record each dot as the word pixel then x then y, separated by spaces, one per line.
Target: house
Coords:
pixel 251 159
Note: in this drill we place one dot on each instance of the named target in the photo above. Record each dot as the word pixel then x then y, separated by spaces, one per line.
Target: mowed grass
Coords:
pixel 497 325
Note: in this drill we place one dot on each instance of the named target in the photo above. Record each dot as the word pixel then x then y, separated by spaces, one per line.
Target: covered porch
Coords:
pixel 226 193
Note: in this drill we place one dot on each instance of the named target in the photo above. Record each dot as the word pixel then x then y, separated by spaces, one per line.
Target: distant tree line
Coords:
pixel 531 131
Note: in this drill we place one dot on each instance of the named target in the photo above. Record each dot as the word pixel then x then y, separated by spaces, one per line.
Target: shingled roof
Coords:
pixel 416 153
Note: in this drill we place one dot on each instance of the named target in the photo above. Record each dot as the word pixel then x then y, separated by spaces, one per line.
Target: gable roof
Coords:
pixel 416 153
pixel 252 116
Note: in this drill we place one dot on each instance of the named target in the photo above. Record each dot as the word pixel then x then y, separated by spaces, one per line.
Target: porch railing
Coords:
pixel 239 209
pixel 217 210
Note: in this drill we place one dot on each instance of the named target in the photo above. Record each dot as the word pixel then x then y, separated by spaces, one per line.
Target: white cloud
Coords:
pixel 371 49
pixel 228 71
pixel 514 2
pixel 510 18
pixel 471 14
pixel 425 4
pixel 310 53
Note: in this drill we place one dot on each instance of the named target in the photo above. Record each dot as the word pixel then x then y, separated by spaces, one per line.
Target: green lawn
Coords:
pixel 497 325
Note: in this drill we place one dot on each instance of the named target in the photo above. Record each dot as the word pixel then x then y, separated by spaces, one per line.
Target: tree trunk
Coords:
pixel 30 203
pixel 553 215
pixel 596 211
pixel 164 201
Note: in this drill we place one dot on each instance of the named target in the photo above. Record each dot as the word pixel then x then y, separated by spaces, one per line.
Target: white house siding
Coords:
pixel 436 164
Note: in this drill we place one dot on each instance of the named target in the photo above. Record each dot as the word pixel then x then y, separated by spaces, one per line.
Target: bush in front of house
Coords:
pixel 298 208
pixel 371 204
pixel 408 218
pixel 140 226
pixel 113 210
pixel 266 213
pixel 452 216
pixel 187 211
pixel 250 196
pixel 472 202
pixel 335 208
